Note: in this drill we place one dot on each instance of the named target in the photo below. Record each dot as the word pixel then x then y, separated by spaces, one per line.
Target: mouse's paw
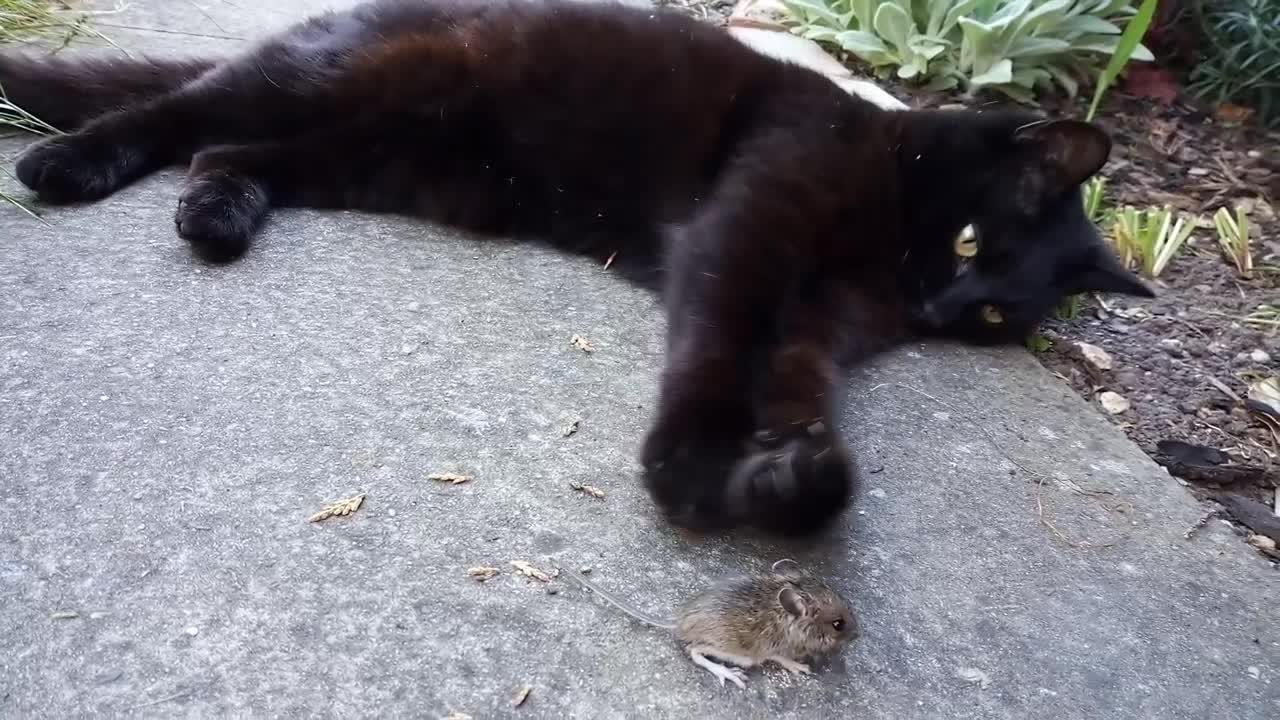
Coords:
pixel 731 674
pixel 793 482
pixel 790 665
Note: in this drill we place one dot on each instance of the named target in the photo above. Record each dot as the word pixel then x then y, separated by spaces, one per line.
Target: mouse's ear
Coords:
pixel 791 600
pixel 785 564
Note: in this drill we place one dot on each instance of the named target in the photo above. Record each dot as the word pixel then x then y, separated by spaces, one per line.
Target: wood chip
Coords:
pixel 1097 358
pixel 591 490
pixel 521 696
pixel 342 507
pixel 571 428
pixel 530 571
pixel 451 478
pixel 1113 403
pixel 582 344
pixel 481 573
pixel 65 615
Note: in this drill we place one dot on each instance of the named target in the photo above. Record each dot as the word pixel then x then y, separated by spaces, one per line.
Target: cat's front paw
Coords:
pixel 75 168
pixel 218 213
pixel 686 468
pixel 793 483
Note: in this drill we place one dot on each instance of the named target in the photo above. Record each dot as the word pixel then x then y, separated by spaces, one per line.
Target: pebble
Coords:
pixel 193 631
pixel 1241 359
pixel 876 493
pixel 1189 407
pixel 1173 346
pixel 1127 379
pixel 1204 288
pixel 1198 172
pixel 1260 356
pixel 1216 348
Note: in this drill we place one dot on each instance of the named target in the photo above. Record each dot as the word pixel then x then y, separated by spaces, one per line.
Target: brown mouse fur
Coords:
pixel 784 616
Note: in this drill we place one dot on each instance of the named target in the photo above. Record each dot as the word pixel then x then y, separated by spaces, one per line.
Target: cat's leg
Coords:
pixel 231 188
pixel 265 95
pixel 798 474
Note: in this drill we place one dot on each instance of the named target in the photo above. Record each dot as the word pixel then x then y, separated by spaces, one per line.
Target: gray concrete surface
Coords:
pixel 166 428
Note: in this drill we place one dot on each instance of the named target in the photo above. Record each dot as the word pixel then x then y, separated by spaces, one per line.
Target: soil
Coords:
pixel 1170 354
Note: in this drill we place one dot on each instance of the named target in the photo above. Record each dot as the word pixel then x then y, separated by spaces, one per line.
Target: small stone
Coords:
pixel 1255 672
pixel 1216 348
pixel 1173 346
pixel 1241 359
pixel 407 349
pixel 1188 407
pixel 391 513
pixel 193 631
pixel 1098 358
pixel 1114 403
pixel 1127 379
pixel 1260 356
pixel 1121 328
pixel 1198 172
pixel 1255 154
pixel 1204 288
pixel 876 492
pixel 1194 348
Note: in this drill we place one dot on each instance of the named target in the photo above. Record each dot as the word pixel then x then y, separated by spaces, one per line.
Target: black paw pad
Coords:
pixel 219 212
pixel 794 484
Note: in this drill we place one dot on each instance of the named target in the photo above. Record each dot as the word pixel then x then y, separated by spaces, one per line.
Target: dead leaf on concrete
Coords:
pixel 455 715
pixel 65 615
pixel 521 696
pixel 1265 545
pixel 342 507
pixel 1114 403
pixel 571 428
pixel 609 262
pixel 530 571
pixel 480 573
pixel 448 477
pixel 582 344
pixel 975 676
pixel 591 490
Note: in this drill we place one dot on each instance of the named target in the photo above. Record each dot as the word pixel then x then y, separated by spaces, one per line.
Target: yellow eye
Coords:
pixel 966 245
pixel 991 316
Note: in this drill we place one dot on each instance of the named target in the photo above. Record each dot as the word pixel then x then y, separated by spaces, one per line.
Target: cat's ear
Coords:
pixel 1069 151
pixel 1105 274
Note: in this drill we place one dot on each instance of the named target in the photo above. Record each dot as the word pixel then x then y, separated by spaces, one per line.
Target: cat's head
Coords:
pixel 999 222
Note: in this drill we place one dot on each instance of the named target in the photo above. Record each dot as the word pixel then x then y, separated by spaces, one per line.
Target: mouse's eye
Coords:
pixel 838 624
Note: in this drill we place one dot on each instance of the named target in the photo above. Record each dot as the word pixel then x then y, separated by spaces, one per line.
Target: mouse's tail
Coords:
pixel 624 607
pixel 67 92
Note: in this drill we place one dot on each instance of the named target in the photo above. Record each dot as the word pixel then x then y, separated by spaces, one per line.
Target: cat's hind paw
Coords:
pixel 219 212
pixel 76 168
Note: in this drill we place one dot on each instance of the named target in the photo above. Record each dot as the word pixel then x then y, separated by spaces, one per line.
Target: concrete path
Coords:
pixel 167 427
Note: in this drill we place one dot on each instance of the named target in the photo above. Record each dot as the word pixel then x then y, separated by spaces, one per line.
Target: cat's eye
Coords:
pixel 966 245
pixel 991 316
pixel 838 624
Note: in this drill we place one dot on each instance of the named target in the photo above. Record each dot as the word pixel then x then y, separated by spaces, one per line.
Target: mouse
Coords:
pixel 784 616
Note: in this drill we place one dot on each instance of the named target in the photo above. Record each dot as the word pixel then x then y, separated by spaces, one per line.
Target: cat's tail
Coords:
pixel 68 92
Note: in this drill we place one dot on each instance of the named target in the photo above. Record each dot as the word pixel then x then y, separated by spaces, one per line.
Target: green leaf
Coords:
pixel 1087 25
pixel 809 9
pixel 1032 46
pixel 1000 73
pixel 894 25
pixel 1129 42
pixel 861 43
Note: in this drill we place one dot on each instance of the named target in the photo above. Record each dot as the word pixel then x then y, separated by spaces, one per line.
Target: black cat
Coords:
pixel 792 228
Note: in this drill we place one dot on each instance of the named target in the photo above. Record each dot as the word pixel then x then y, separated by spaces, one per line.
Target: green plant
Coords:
pixel 1265 317
pixel 1038 343
pixel 1240 62
pixel 1094 191
pixel 1069 308
pixel 1233 237
pixel 1012 46
pixel 1150 237
pixel 1124 52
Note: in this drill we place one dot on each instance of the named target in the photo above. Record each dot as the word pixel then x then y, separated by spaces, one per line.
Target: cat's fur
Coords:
pixel 792 227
